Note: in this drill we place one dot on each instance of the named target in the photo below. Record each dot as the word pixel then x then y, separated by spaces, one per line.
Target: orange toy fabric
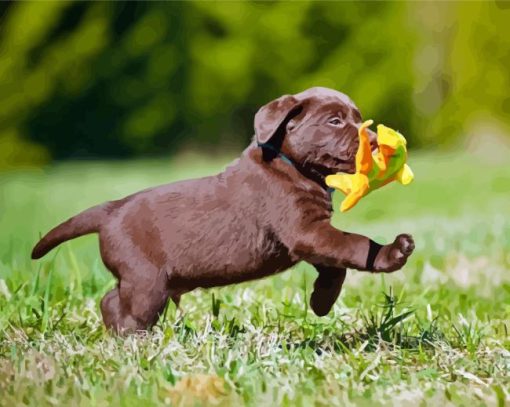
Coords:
pixel 373 171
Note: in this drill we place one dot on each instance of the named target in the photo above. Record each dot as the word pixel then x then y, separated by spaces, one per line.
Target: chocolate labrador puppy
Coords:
pixel 267 211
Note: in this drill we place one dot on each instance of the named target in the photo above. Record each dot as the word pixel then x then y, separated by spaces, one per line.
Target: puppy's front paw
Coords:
pixel 393 256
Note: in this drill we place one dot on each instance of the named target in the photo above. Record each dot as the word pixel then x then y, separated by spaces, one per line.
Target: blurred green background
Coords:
pixel 116 80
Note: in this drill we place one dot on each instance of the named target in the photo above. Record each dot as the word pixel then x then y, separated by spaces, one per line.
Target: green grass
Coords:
pixel 435 333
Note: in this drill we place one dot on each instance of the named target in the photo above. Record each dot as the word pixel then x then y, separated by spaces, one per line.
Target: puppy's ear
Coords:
pixel 273 117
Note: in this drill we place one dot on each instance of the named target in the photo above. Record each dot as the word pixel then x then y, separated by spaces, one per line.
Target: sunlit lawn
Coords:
pixel 436 332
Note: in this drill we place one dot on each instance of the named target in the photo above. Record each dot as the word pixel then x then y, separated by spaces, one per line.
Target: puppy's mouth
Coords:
pixel 331 164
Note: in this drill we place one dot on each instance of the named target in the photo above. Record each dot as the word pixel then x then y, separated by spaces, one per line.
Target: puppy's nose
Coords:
pixel 372 136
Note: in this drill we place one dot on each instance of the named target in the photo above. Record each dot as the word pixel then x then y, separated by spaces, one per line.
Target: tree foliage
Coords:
pixel 121 79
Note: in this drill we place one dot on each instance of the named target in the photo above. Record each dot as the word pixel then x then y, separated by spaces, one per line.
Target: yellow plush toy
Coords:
pixel 373 171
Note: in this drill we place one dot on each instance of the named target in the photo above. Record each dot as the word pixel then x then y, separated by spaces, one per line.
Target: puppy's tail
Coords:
pixel 88 221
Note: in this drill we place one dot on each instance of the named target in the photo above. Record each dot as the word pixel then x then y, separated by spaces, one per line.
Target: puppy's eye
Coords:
pixel 335 121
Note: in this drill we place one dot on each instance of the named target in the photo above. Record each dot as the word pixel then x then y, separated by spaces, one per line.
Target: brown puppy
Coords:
pixel 267 211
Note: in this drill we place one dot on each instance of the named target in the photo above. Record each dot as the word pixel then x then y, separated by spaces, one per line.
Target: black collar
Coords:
pixel 277 152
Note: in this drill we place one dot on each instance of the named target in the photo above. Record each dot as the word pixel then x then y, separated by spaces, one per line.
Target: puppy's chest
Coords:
pixel 314 203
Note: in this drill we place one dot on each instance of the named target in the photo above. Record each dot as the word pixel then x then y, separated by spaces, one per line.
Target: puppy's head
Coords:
pixel 317 129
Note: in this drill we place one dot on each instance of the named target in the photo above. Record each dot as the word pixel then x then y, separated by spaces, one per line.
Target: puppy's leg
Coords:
pixel 320 243
pixel 326 289
pixel 175 296
pixel 110 308
pixel 137 302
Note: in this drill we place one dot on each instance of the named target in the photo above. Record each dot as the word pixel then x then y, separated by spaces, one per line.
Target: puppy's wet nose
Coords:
pixel 372 136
